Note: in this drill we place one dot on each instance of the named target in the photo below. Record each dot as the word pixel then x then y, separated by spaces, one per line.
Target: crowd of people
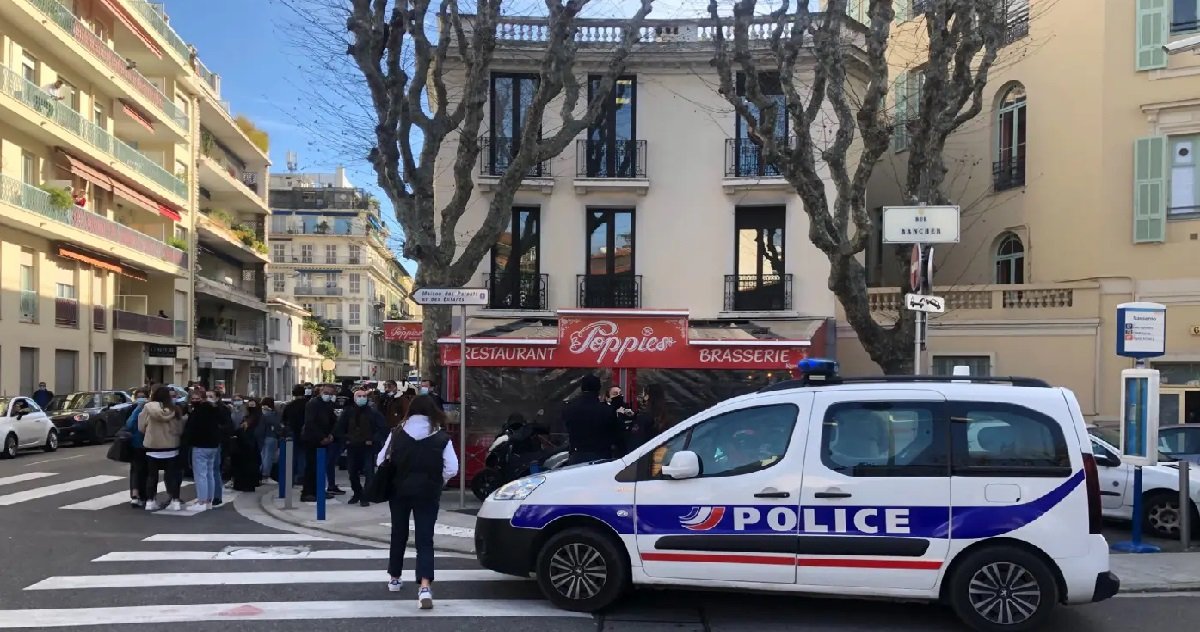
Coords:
pixel 604 427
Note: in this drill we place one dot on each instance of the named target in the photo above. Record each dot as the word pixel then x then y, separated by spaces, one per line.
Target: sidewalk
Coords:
pixel 1157 572
pixel 455 530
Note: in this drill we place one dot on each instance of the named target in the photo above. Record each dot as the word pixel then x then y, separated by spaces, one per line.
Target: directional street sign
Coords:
pixel 927 304
pixel 451 296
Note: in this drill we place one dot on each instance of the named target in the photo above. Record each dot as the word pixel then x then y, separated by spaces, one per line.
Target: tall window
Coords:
pixel 275 329
pixel 355 314
pixel 355 283
pixel 1009 168
pixel 278 252
pixel 330 253
pixel 306 253
pixel 612 145
pixel 29 171
pixel 355 345
pixel 515 280
pixel 1185 16
pixel 747 156
pixel 759 282
pixel 610 281
pixel 1010 260
pixel 278 284
pixel 512 95
pixel 355 254
pixel 908 90
pixel 1185 181
pixel 29 66
pixel 29 288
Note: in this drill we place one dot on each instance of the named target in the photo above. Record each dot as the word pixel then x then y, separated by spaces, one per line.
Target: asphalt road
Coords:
pixel 74 556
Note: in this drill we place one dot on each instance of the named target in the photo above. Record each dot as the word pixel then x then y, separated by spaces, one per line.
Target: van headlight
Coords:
pixel 519 489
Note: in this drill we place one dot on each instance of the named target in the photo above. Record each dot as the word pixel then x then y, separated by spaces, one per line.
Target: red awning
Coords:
pixel 110 183
pixel 136 115
pixel 132 25
pixel 86 171
pixel 144 201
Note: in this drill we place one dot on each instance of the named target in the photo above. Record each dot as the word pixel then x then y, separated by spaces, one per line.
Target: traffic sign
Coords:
pixel 914 268
pixel 920 224
pixel 927 304
pixel 451 296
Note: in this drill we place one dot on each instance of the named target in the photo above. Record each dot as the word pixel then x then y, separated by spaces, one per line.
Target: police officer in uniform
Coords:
pixel 592 427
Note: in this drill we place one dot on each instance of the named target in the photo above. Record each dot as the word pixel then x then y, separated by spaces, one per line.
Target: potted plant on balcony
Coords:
pixel 322 228
pixel 178 243
pixel 60 200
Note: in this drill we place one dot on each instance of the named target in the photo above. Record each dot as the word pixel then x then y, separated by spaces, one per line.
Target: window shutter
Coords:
pixel 902 10
pixel 1149 190
pixel 900 133
pixel 1152 16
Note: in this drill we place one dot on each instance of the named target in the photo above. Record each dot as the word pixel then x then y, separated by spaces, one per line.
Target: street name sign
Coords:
pixel 451 296
pixel 923 303
pixel 920 224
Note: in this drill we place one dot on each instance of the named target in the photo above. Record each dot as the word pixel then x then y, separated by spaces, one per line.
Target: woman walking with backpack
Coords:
pixel 423 460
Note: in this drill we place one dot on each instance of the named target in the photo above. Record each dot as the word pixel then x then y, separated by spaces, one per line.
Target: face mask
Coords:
pixel 212 400
pixel 238 402
pixel 308 391
pixel 328 398
pixel 140 400
pixel 361 401
pixel 424 390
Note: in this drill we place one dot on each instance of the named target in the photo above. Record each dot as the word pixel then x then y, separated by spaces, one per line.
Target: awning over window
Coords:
pixel 131 24
pixel 137 115
pixel 86 171
pixel 118 187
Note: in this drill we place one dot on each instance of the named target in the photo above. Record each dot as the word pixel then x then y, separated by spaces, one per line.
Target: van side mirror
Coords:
pixel 683 465
pixel 1108 459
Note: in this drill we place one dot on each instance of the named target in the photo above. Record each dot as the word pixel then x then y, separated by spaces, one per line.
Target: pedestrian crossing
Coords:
pixel 94 492
pixel 242 576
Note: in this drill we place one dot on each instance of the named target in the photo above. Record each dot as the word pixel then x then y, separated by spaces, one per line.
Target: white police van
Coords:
pixel 978 492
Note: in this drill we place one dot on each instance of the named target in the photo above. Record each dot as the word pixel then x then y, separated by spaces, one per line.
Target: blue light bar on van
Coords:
pixel 818 367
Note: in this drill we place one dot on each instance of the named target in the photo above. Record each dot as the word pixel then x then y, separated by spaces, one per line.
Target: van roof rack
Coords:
pixel 1028 382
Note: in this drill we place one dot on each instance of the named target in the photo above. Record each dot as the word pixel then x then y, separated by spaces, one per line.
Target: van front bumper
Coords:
pixel 503 548
pixel 1107 585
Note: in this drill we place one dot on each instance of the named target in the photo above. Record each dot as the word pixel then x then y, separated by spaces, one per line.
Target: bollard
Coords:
pixel 1185 504
pixel 288 466
pixel 319 476
pixel 281 469
pixel 1135 545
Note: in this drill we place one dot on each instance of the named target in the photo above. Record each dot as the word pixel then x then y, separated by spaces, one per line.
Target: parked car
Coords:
pixel 1160 487
pixel 178 393
pixel 93 416
pixel 1180 442
pixel 24 425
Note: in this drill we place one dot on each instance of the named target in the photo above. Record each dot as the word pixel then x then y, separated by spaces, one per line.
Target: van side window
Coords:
pixel 885 439
pixel 734 443
pixel 997 439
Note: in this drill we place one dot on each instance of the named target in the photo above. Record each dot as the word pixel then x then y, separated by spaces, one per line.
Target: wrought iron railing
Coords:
pixel 517 290
pixel 758 292
pixel 308 290
pixel 610 158
pixel 99 318
pixel 744 159
pixel 1009 174
pixel 610 290
pixel 496 154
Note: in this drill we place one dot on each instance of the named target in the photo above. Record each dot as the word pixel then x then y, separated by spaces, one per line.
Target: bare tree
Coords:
pixel 406 68
pixel 832 73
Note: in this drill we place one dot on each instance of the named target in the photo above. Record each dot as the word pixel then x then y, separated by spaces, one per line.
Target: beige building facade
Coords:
pixel 1079 191
pixel 293 348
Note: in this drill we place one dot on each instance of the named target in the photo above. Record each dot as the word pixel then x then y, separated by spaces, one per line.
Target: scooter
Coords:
pixel 520 449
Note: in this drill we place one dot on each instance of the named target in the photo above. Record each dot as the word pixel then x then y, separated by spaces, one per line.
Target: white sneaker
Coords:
pixel 152 505
pixel 196 507
pixel 175 506
pixel 395 585
pixel 137 502
pixel 425 599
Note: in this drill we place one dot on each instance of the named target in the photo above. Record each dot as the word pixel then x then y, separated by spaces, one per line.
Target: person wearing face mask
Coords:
pixel 293 424
pixel 392 404
pixel 430 389
pixel 319 425
pixel 137 460
pixel 364 428
pixel 244 459
pixel 202 432
pixel 266 436
pixel 224 447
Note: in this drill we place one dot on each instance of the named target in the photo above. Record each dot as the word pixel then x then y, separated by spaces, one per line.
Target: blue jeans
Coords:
pixel 269 454
pixel 205 464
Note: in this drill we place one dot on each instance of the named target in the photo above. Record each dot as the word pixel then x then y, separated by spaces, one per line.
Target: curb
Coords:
pixel 267 502
pixel 1163 589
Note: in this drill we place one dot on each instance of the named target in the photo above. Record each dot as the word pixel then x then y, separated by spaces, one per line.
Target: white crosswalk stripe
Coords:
pixel 21 478
pixel 111 500
pixel 113 492
pixel 201 560
pixel 58 488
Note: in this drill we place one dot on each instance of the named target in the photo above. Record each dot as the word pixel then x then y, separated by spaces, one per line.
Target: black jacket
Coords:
pixel 419 465
pixel 319 421
pixel 360 424
pixel 293 417
pixel 591 425
pixel 203 428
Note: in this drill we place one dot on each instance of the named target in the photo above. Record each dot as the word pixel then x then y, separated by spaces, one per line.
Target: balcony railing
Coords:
pixel 744 159
pixel 523 291
pixel 758 293
pixel 99 318
pixel 1017 27
pixel 210 78
pixel 1009 174
pixel 610 290
pixel 159 23
pixel 100 139
pixel 143 323
pixel 1004 301
pixel 35 200
pixel 66 312
pixel 606 32
pixel 253 338
pixel 332 323
pixel 308 290
pixel 313 198
pixel 610 158
pixel 66 20
pixel 246 291
pixel 29 306
pixel 497 153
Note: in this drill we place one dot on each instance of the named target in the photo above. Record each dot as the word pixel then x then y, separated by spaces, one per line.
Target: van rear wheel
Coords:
pixel 582 570
pixel 1002 588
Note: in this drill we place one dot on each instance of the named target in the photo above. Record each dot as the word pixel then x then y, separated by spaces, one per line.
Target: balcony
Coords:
pixel 252 339
pixel 758 293
pixel 601 35
pixel 1009 174
pixel 239 240
pixel 154 17
pixel 226 175
pixel 322 260
pixel 308 290
pixel 99 319
pixel 92 135
pixel 35 200
pixel 744 159
pixel 311 198
pixel 66 20
pixel 517 291
pixel 496 155
pixel 66 312
pixel 1017 28
pixel 232 292
pixel 623 291
pixel 610 159
pixel 143 324
pixel 993 303
pixel 332 323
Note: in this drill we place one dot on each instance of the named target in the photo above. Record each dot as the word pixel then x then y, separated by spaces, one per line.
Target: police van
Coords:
pixel 981 493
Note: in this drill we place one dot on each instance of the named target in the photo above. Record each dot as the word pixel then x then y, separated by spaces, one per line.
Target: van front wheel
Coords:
pixel 582 570
pixel 1002 588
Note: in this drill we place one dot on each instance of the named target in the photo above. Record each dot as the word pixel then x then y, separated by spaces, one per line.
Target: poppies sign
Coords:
pixel 402 330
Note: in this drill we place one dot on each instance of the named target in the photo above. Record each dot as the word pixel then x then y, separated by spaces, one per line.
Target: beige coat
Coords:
pixel 160 426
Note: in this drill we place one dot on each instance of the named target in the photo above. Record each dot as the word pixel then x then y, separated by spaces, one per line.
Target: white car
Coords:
pixel 23 425
pixel 1160 488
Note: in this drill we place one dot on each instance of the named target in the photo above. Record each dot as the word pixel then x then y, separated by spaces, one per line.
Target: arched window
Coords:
pixel 1009 167
pixel 1010 260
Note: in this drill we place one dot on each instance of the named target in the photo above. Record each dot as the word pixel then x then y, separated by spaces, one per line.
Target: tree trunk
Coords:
pixel 436 323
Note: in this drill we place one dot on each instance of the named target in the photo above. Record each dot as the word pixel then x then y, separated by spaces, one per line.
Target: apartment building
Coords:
pixel 231 249
pixel 659 222
pixel 293 348
pixel 1078 187
pixel 330 254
